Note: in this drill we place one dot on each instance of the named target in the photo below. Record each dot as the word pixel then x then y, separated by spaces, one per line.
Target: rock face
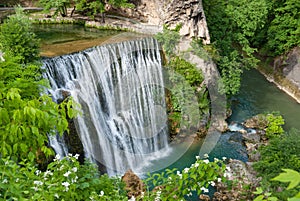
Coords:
pixel 285 75
pixel 290 66
pixel 133 184
pixel 189 14
pixel 243 179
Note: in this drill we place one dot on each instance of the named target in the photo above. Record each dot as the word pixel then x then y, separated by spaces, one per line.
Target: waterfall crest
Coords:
pixel 121 91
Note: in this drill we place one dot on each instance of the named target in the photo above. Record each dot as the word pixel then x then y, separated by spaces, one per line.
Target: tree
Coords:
pixel 26 118
pixel 284 30
pixel 232 25
pixel 16 37
pixel 59 5
pixel 93 7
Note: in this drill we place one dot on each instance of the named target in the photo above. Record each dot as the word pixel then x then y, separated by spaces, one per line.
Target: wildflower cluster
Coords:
pixel 64 179
pixel 196 179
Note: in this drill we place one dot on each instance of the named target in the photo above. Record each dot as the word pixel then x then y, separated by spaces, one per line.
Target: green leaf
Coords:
pixel 259 198
pixel 291 176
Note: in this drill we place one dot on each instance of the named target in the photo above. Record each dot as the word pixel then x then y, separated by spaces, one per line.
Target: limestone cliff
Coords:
pixel 286 73
pixel 189 13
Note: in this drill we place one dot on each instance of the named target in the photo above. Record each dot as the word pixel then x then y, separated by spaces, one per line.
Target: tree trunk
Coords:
pixel 103 17
pixel 73 11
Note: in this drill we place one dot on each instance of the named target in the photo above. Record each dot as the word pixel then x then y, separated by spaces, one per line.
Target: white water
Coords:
pixel 121 90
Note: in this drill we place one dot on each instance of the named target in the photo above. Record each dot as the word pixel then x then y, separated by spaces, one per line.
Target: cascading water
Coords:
pixel 121 91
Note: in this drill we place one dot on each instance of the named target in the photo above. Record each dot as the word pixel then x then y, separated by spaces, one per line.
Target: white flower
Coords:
pixel 197 157
pixel 216 159
pixel 56 195
pixel 206 161
pixel 57 157
pixel 37 172
pixel 66 185
pixel 35 188
pixel 224 158
pixel 74 180
pixel 4 181
pixel 101 193
pixel 76 156
pixel 142 194
pixel 212 183
pixel 132 198
pixel 205 190
pixel 38 183
pixel 70 155
pixel 186 170
pixel 189 194
pixel 67 174
pixel 157 198
pixel 196 164
pixel 179 174
pixel 48 172
pixel 205 156
pixel 219 179
pixel 227 174
pixel 74 169
pixel 17 180
pixel 228 168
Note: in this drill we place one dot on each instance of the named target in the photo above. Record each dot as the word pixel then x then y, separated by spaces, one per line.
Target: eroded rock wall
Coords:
pixel 189 13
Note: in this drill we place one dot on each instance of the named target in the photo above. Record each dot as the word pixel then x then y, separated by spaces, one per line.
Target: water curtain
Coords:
pixel 121 91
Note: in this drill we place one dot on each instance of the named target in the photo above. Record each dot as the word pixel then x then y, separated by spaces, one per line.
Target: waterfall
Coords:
pixel 120 89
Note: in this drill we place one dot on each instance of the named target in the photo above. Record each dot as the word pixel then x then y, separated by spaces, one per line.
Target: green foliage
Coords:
pixel 178 185
pixel 281 153
pixel 169 39
pixel 17 38
pixel 232 25
pixel 60 6
pixel 275 123
pixel 64 179
pixel 288 176
pixel 91 8
pixel 27 78
pixel 26 117
pixel 24 124
pixel 284 30
pixel 188 95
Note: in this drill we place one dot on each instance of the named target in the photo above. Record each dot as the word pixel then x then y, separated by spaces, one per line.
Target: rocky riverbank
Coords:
pixel 284 72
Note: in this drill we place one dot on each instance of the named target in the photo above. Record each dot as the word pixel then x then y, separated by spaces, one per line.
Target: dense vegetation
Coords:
pixel 86 7
pixel 241 29
pixel 188 100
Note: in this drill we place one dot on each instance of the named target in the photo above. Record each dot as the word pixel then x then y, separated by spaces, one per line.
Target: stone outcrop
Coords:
pixel 243 179
pixel 133 184
pixel 189 14
pixel 285 74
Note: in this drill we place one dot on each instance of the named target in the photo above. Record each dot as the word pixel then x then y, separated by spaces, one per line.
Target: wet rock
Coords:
pixel 133 184
pixel 251 137
pixel 259 122
pixel 204 197
pixel 243 182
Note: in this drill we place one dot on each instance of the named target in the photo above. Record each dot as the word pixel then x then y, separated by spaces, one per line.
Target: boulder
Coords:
pixel 133 184
pixel 244 180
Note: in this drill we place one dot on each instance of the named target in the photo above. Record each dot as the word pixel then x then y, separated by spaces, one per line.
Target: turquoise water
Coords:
pixel 257 95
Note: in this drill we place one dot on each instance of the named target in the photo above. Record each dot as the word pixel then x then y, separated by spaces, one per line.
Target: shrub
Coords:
pixel 64 179
pixel 281 153
pixel 17 38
